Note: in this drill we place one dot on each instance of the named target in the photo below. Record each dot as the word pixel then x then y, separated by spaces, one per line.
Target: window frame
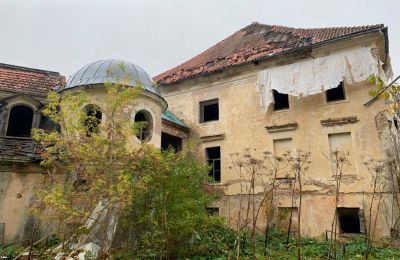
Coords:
pixel 150 119
pixel 212 164
pixel 202 105
pixel 96 127
pixel 33 124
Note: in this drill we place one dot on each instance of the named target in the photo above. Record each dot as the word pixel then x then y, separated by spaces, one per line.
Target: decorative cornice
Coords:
pixel 282 127
pixel 208 138
pixel 339 121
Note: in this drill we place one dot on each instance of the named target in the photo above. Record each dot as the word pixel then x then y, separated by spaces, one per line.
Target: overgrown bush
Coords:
pixel 169 203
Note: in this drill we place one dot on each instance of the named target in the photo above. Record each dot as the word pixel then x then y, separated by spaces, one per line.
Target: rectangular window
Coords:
pixel 213 211
pixel 349 220
pixel 209 111
pixel 214 161
pixel 170 141
pixel 281 101
pixel 335 94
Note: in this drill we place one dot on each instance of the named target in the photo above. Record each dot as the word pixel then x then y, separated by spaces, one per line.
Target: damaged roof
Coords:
pixel 255 42
pixel 33 82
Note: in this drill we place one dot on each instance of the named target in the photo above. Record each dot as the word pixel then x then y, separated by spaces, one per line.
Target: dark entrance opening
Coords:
pixel 349 220
pixel 281 101
pixel 20 121
pixel 170 141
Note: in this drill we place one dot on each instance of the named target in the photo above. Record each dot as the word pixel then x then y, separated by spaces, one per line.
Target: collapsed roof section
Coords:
pixel 254 43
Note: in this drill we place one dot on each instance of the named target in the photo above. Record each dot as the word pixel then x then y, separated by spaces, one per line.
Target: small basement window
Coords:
pixel 281 101
pixel 170 141
pixel 209 111
pixel 335 94
pixel 20 121
pixel 144 122
pixel 349 220
pixel 213 211
pixel 214 161
pixel 93 119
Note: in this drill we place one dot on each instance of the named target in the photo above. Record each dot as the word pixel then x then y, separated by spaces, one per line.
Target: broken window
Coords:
pixel 170 141
pixel 20 121
pixel 349 220
pixel 281 101
pixel 214 161
pixel 335 94
pixel 143 120
pixel 213 211
pixel 288 218
pixel 93 119
pixel 209 111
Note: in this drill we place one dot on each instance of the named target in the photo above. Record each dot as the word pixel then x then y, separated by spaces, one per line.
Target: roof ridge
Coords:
pixel 16 67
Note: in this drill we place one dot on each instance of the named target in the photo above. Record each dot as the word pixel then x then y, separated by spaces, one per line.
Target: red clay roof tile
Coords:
pixel 29 81
pixel 254 42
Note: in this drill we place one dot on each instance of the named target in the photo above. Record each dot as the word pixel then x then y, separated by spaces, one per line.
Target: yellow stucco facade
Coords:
pixel 242 124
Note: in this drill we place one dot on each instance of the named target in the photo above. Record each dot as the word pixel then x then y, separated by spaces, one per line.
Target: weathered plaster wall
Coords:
pixel 144 101
pixel 242 124
pixel 17 188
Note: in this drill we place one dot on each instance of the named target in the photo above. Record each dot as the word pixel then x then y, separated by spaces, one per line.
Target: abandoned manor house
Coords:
pixel 266 88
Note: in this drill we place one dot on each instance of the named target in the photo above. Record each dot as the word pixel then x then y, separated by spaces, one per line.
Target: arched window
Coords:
pixel 20 121
pixel 93 119
pixel 144 123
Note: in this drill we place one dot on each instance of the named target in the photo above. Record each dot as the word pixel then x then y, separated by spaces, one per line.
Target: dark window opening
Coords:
pixel 209 111
pixel 93 119
pixel 281 100
pixel 143 122
pixel 20 121
pixel 349 220
pixel 214 161
pixel 169 141
pixel 335 94
pixel 48 125
pixel 213 211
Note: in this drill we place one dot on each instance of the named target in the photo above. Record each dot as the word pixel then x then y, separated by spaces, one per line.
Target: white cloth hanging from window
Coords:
pixel 315 75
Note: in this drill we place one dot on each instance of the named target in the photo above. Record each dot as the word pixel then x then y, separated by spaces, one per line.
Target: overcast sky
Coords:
pixel 65 35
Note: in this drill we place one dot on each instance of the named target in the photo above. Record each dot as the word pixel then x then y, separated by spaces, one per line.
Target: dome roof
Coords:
pixel 103 71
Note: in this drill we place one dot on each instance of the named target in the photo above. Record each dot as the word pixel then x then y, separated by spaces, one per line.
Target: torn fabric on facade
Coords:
pixel 315 75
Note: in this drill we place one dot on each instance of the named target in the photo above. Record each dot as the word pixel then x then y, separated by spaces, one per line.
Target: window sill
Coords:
pixel 215 183
pixel 336 102
pixel 208 122
pixel 281 110
pixel 17 137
